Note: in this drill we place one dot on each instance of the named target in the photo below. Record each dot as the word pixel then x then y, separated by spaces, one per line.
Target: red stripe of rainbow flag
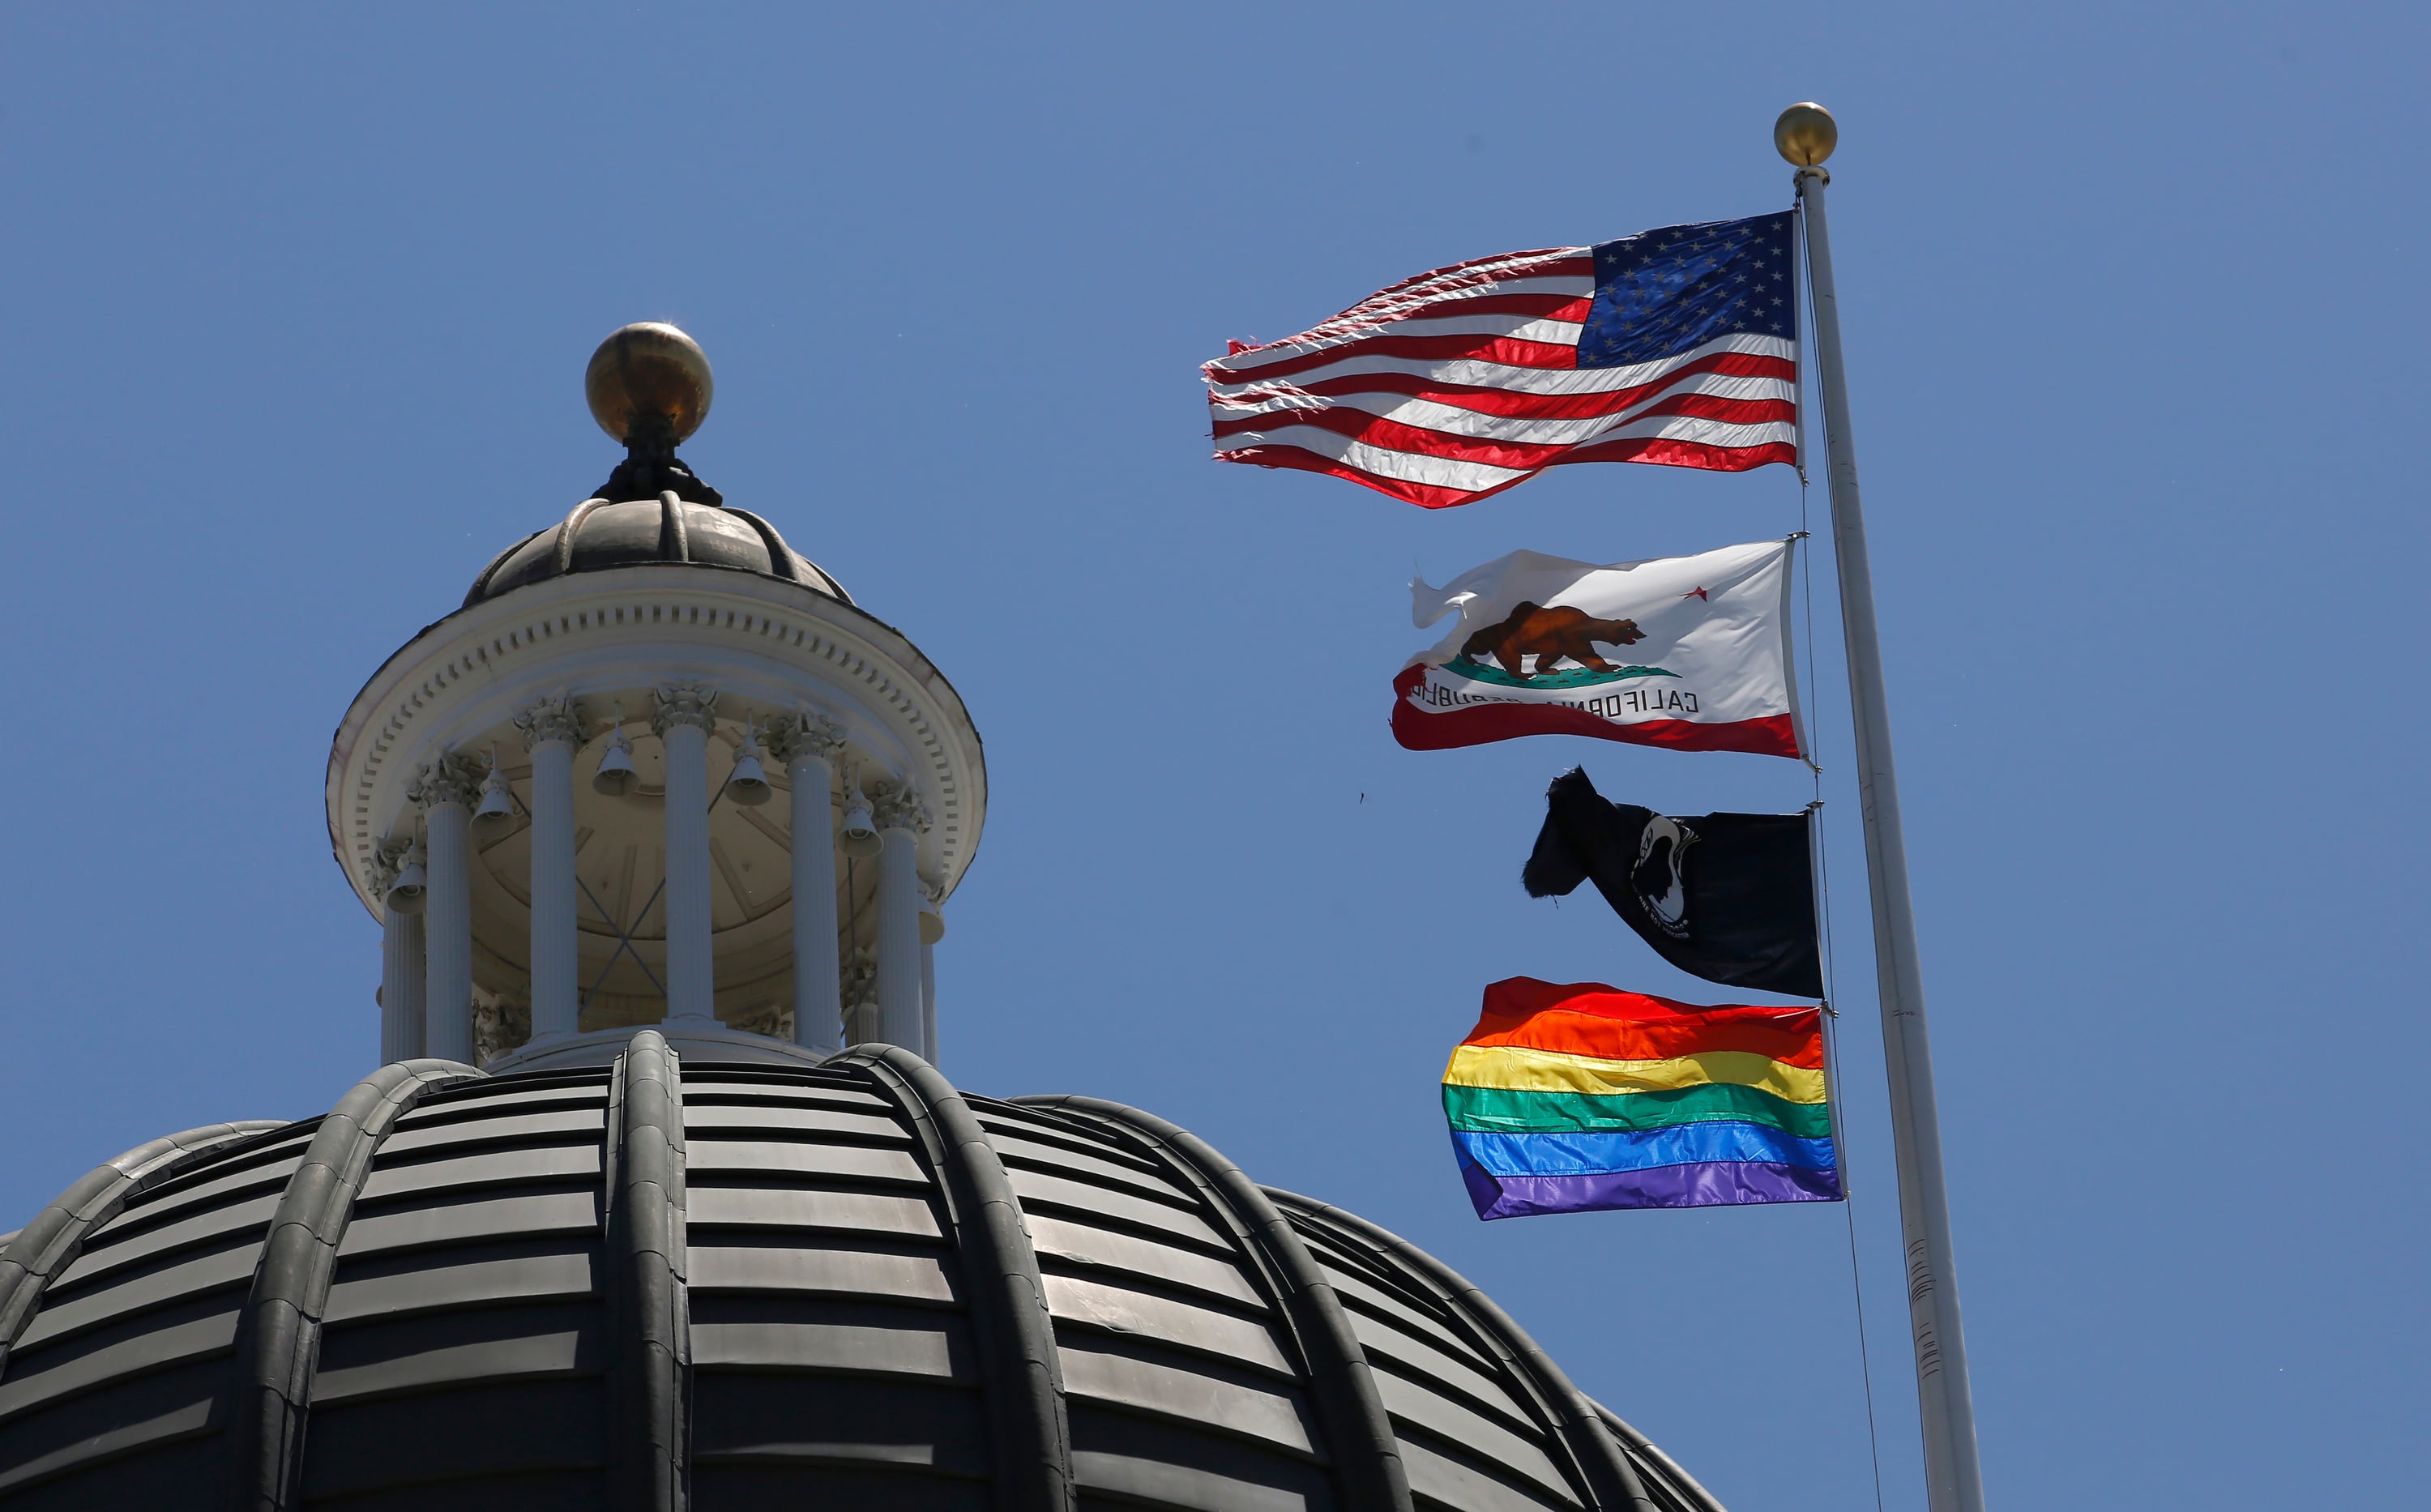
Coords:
pixel 1582 1098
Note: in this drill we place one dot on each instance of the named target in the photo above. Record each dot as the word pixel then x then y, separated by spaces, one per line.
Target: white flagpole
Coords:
pixel 1805 135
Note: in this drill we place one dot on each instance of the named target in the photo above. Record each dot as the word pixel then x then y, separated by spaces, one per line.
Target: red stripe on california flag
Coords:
pixel 1483 724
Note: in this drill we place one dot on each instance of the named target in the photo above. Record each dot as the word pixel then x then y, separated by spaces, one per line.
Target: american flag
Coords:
pixel 1677 345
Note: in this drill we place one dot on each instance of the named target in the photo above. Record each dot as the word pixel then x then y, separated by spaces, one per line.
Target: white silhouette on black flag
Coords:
pixel 1727 897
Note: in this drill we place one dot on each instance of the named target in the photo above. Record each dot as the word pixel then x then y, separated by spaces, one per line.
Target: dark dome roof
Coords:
pixel 598 535
pixel 719 1285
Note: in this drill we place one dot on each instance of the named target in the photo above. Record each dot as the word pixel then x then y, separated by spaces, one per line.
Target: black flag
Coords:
pixel 1728 897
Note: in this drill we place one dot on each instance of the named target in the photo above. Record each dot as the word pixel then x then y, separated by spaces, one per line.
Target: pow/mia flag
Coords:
pixel 1727 897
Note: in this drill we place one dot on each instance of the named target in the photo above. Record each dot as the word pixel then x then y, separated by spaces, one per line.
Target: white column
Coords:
pixel 810 745
pixel 901 819
pixel 445 793
pixel 400 991
pixel 932 929
pixel 552 728
pixel 684 716
pixel 929 1003
pixel 401 966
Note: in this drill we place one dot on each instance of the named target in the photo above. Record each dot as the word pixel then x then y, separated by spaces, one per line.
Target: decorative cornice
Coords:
pixel 806 734
pixel 684 703
pixel 900 808
pixel 554 717
pixel 451 778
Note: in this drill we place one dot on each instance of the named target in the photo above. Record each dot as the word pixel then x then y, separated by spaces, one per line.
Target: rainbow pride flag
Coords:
pixel 1581 1098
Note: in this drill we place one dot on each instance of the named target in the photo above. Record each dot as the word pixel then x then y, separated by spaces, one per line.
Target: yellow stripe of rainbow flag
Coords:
pixel 1512 1068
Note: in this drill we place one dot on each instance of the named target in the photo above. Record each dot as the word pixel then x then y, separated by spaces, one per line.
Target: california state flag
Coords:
pixel 1690 653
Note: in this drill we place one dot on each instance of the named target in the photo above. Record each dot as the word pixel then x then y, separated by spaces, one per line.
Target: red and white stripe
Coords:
pixel 1463 381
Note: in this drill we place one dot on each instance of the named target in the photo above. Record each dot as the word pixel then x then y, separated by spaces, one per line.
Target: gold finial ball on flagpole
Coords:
pixel 1805 134
pixel 649 371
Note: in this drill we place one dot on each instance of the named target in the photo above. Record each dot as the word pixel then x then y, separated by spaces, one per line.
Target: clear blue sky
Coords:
pixel 298 302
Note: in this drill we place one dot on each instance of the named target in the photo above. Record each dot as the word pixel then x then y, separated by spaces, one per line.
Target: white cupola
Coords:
pixel 579 804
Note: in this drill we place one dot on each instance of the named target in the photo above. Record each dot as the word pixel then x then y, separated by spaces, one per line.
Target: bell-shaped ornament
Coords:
pixel 857 837
pixel 748 784
pixel 495 813
pixel 616 776
pixel 412 888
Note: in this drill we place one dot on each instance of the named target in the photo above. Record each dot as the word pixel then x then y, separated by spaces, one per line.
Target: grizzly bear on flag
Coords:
pixel 1550 635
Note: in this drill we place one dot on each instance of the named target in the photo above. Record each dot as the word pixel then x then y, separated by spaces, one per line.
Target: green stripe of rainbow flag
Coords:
pixel 1492 1110
pixel 1578 1098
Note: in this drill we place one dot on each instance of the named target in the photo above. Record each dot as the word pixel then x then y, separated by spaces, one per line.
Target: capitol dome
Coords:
pixel 659 1284
pixel 659 1201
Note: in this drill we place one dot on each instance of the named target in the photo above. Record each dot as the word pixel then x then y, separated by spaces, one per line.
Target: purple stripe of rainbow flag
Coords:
pixel 1578 1097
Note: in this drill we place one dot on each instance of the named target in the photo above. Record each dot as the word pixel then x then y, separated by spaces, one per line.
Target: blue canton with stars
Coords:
pixel 1665 292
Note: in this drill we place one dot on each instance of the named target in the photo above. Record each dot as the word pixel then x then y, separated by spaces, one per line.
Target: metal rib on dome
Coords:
pixel 1370 1471
pixel 711 1286
pixel 1029 1434
pixel 1612 1481
pixel 1672 1486
pixel 279 1335
pixel 33 1255
pixel 649 1395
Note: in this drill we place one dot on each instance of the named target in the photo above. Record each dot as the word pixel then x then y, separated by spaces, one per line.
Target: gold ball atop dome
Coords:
pixel 648 369
pixel 1805 134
